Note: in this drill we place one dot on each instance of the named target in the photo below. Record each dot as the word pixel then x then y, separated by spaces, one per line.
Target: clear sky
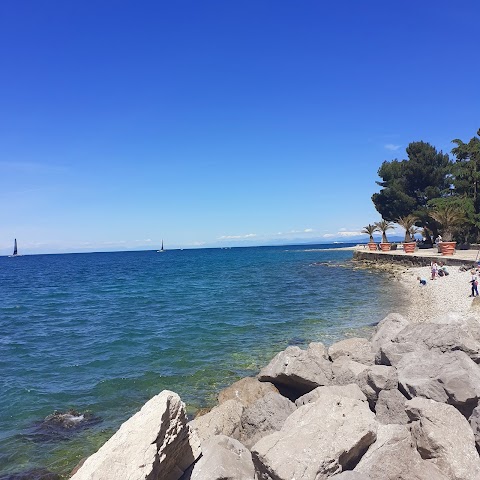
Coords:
pixel 211 123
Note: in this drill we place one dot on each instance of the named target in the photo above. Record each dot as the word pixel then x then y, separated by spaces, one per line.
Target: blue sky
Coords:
pixel 210 123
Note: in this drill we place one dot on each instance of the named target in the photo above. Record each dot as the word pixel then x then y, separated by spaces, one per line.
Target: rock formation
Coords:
pixel 156 443
pixel 403 406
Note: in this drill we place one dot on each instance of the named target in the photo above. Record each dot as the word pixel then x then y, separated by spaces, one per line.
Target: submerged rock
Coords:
pixel 34 474
pixel 61 426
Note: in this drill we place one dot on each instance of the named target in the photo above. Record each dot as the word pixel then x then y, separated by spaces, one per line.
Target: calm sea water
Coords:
pixel 104 332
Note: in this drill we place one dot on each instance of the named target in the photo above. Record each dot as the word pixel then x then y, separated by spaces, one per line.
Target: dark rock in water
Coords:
pixel 34 474
pixel 297 341
pixel 61 426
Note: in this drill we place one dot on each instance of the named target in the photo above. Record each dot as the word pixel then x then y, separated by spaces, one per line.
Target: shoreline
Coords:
pixel 426 303
pixel 385 394
pixel 444 294
pixel 421 304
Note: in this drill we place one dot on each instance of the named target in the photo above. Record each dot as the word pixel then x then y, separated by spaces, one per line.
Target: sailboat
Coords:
pixel 161 250
pixel 15 251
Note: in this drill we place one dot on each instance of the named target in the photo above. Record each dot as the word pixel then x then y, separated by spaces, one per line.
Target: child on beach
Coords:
pixel 434 270
pixel 422 281
pixel 474 282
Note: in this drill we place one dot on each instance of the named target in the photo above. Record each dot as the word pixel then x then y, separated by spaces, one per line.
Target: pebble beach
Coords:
pixel 424 303
pixel 444 294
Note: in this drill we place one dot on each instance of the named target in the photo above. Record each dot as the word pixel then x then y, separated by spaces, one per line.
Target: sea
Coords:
pixel 101 333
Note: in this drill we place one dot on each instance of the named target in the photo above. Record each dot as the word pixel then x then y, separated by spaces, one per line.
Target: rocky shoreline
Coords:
pixel 402 405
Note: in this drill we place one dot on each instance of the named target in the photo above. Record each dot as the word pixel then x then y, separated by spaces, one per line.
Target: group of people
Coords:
pixel 437 270
pixel 440 270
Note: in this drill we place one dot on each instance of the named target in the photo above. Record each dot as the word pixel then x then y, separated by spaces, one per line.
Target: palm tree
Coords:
pixel 370 230
pixel 383 226
pixel 450 217
pixel 413 230
pixel 407 223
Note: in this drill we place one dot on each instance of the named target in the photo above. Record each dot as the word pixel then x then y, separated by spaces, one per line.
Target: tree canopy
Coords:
pixel 408 185
pixel 466 172
pixel 428 181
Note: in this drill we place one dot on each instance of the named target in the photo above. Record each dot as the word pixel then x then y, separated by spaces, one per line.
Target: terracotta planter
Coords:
pixel 409 247
pixel 447 248
pixel 372 246
pixel 385 247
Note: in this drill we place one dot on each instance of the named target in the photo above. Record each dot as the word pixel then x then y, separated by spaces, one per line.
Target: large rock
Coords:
pixel 386 331
pixel 350 475
pixel 317 440
pixel 390 408
pixel 468 321
pixel 376 378
pixel 370 378
pixel 156 443
pixel 246 391
pixel 444 438
pixel 427 336
pixel 265 416
pixel 393 456
pixel 351 391
pixel 444 377
pixel 357 349
pixel 299 370
pixel 221 420
pixel 474 421
pixel 223 458
pixel 346 371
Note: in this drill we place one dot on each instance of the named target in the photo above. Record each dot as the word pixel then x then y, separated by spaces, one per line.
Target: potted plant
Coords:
pixel 408 224
pixel 383 226
pixel 450 217
pixel 370 230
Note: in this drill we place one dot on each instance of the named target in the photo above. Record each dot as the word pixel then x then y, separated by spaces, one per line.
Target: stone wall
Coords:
pixel 413 260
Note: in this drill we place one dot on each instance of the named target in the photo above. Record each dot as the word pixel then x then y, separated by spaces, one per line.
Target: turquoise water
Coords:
pixel 104 332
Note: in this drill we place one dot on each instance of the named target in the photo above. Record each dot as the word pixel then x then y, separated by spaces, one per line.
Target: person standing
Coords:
pixel 434 270
pixel 474 282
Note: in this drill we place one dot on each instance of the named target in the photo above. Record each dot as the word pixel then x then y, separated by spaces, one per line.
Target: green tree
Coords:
pixel 466 181
pixel 408 185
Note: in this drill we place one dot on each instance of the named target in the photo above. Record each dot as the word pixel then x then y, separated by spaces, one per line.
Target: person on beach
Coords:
pixel 474 282
pixel 434 270
pixel 422 281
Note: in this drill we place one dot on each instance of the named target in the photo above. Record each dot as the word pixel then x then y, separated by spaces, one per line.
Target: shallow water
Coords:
pixel 104 332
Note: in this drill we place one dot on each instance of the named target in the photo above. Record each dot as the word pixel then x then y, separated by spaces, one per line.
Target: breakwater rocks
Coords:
pixel 402 406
